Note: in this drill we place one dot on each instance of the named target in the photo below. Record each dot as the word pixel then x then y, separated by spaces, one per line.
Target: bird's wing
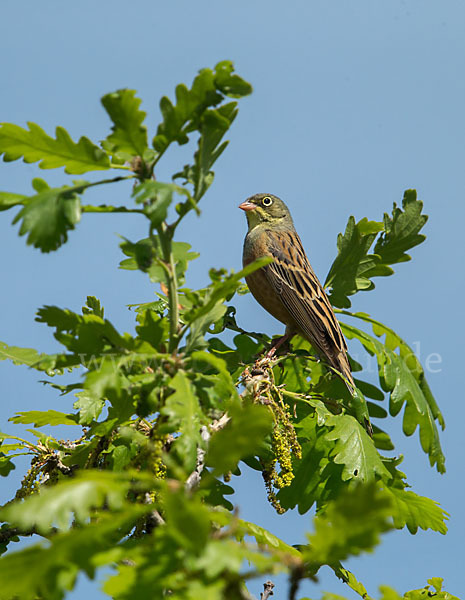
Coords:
pixel 293 279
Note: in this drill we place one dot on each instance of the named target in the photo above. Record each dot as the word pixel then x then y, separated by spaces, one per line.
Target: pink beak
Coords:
pixel 247 206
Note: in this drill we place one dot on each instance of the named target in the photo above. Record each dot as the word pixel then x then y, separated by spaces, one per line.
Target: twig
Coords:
pixel 154 518
pixel 165 237
pixel 260 337
pixel 8 533
pixel 267 590
pixel 220 423
pixel 194 478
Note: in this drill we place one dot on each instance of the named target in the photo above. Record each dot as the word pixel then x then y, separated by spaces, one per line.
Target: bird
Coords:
pixel 288 287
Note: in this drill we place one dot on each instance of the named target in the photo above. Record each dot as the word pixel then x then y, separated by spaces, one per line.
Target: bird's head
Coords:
pixel 266 209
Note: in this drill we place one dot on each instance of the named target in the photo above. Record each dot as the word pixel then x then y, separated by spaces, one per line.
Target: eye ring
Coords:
pixel 267 201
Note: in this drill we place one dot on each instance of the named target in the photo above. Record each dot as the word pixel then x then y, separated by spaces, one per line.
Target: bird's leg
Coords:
pixel 278 343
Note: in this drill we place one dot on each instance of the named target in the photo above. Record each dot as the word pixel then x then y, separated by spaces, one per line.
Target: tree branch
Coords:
pixel 172 284
pixel 194 478
pixel 267 590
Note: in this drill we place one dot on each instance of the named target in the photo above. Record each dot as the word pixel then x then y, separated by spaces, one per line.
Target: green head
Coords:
pixel 268 210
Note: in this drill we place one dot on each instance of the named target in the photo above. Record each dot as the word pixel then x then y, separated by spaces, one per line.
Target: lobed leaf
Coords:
pixel 242 437
pixel 188 521
pixel 40 418
pixel 84 334
pixel 395 343
pixel 351 524
pixel 350 269
pixel 214 125
pixel 146 254
pixel 77 498
pixel 398 375
pixel 89 407
pixel 20 356
pixel 93 306
pixel 222 289
pixel 184 416
pixel 353 267
pixel 265 538
pixel 208 89
pixel 35 145
pixel 48 216
pixel 316 477
pixel 51 571
pixel 157 197
pixel 415 511
pixel 229 82
pixel 129 136
pixel 355 450
pixel 401 231
pixel 8 200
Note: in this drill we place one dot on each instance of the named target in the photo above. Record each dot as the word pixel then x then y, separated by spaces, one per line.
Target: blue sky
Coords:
pixel 353 103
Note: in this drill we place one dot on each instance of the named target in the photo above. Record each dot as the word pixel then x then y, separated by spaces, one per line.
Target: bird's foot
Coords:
pixel 277 343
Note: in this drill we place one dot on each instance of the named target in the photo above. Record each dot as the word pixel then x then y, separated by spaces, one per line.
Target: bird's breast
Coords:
pixel 259 286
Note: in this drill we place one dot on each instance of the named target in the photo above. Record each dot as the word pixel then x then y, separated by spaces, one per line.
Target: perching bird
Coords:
pixel 288 288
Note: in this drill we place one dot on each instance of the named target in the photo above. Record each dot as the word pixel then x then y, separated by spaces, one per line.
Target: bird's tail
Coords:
pixel 342 365
pixel 362 412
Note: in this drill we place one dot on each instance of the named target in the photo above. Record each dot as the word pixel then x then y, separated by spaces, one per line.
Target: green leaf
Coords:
pixel 141 255
pixel 108 382
pixel 89 407
pixel 424 593
pixel 405 387
pixel 214 125
pixel 93 307
pixel 242 437
pixel 263 537
pixel 415 511
pixel 189 105
pixel 350 525
pixel 222 289
pixel 77 497
pixel 208 89
pixel 144 254
pixel 388 593
pixel 35 145
pixel 354 267
pixel 6 466
pixel 184 416
pixel 195 339
pixel 401 231
pixel 316 477
pixel 8 199
pixel 229 83
pixel 50 571
pixel 349 579
pixel 188 521
pixel 84 334
pixel 152 327
pixel 348 273
pixel 40 418
pixel 355 450
pixel 395 343
pixel 157 197
pixel 182 255
pixel 220 368
pixel 20 356
pixel 213 492
pixel 129 137
pixel 48 216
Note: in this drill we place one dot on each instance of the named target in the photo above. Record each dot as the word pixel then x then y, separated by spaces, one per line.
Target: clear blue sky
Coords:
pixel 353 103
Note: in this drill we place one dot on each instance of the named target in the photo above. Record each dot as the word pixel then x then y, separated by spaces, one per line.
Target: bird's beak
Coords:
pixel 247 206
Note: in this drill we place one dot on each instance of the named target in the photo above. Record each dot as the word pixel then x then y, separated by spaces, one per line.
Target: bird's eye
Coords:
pixel 267 201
